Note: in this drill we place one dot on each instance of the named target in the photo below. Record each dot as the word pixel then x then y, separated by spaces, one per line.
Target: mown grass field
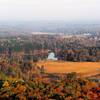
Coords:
pixel 84 68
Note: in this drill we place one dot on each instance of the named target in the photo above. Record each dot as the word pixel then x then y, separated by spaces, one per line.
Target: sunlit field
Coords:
pixel 84 68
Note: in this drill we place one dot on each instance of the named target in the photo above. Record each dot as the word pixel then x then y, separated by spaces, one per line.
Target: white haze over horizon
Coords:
pixel 31 10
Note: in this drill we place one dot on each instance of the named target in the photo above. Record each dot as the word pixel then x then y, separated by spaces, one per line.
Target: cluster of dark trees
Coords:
pixel 86 54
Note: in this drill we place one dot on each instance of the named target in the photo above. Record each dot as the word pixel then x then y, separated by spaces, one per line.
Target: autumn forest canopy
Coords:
pixel 49 50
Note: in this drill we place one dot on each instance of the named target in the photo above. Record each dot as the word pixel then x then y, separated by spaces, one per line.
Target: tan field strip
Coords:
pixel 88 68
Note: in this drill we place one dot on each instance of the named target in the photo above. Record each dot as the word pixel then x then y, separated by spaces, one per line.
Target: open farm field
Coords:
pixel 84 68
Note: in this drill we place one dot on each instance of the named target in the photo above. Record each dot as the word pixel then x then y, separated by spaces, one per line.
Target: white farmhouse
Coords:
pixel 51 56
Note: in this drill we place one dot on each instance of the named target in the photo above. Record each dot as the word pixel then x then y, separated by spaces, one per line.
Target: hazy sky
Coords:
pixel 69 10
